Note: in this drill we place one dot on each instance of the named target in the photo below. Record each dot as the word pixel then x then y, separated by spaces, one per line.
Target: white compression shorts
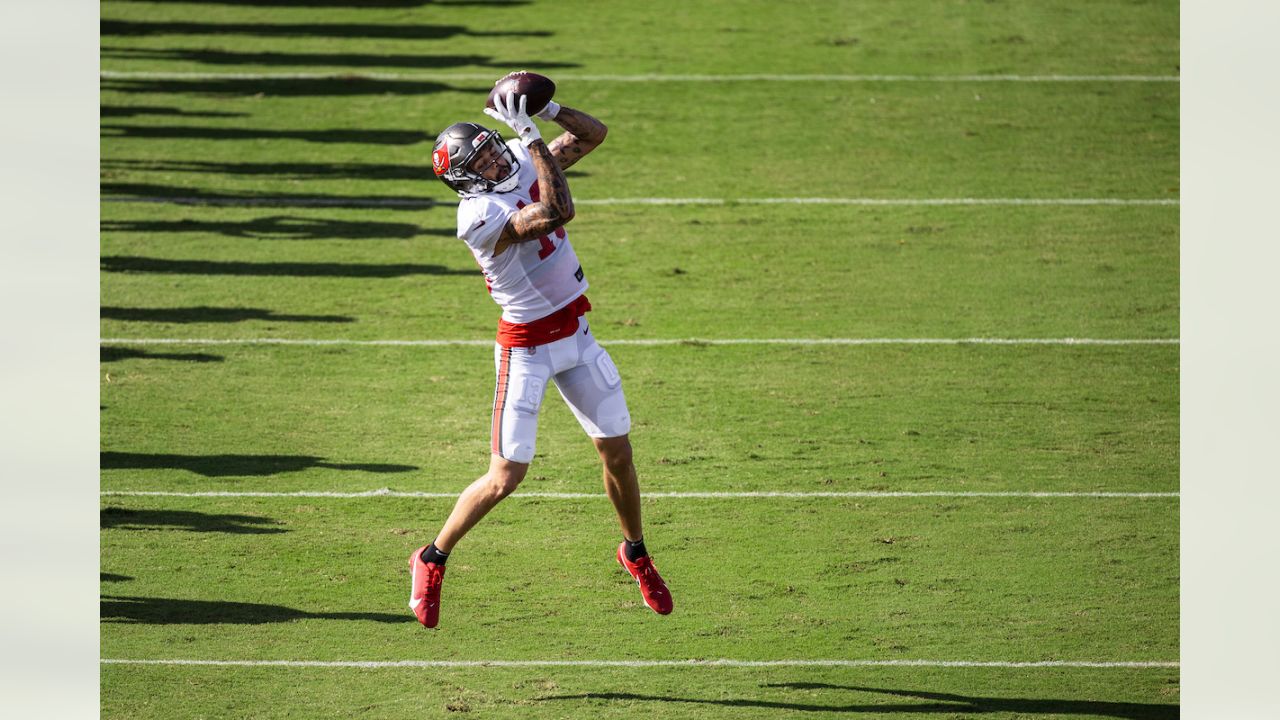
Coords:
pixel 582 371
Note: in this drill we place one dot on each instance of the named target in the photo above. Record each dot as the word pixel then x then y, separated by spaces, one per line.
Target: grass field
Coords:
pixel 258 206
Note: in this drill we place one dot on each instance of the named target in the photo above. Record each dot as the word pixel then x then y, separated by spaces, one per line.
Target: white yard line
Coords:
pixel 640 78
pixel 652 663
pixel 426 202
pixel 386 493
pixel 650 342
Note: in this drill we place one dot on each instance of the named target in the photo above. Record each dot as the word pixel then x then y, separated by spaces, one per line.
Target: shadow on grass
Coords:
pixel 371 136
pixel 125 111
pixel 144 192
pixel 111 577
pixel 125 263
pixel 118 518
pixel 234 465
pixel 114 353
pixel 344 3
pixel 211 315
pixel 338 60
pixel 943 703
pixel 337 86
pixel 292 170
pixel 281 227
pixel 406 31
pixel 168 611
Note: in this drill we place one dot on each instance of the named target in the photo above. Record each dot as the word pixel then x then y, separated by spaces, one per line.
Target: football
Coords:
pixel 539 88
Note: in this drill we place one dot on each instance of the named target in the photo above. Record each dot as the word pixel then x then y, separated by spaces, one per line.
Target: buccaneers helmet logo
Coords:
pixel 440 160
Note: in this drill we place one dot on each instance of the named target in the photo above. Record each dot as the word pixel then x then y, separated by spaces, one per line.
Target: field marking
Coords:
pixel 387 493
pixel 643 77
pixel 652 342
pixel 652 663
pixel 426 203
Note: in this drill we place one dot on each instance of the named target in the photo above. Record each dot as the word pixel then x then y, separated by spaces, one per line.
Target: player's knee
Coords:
pixel 505 476
pixel 615 452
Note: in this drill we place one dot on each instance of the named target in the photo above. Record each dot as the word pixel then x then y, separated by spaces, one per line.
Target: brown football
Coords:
pixel 539 88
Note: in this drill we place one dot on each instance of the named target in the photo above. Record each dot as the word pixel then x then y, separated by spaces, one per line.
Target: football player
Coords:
pixel 515 203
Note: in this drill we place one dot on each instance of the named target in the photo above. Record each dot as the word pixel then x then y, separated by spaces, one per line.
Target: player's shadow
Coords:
pixel 128 111
pixel 938 703
pixel 280 227
pixel 132 264
pixel 290 170
pixel 391 31
pixel 115 354
pixel 235 465
pixel 363 136
pixel 341 60
pixel 336 86
pixel 211 315
pixel 118 518
pixel 144 192
pixel 170 611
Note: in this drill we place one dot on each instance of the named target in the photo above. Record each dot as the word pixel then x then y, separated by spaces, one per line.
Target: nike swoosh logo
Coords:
pixel 413 603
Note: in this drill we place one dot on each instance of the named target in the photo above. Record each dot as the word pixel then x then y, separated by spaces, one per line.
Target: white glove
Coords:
pixel 514 115
pixel 550 111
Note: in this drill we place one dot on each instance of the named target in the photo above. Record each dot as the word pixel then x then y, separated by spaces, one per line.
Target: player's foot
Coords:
pixel 424 593
pixel 652 589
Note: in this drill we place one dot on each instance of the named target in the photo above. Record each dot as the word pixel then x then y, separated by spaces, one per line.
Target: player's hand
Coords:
pixel 512 112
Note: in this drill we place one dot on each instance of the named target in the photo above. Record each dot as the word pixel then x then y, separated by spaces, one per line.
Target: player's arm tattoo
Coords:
pixel 553 209
pixel 585 133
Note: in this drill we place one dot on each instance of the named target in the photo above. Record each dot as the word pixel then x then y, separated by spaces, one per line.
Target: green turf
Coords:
pixel 910 694
pixel 880 140
pixel 754 579
pixel 707 418
pixel 1103 37
pixel 883 578
pixel 655 272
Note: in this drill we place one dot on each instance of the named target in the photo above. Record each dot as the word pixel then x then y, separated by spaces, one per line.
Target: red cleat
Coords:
pixel 654 591
pixel 424 593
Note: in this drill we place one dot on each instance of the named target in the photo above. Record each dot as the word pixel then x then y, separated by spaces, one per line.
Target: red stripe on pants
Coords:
pixel 500 398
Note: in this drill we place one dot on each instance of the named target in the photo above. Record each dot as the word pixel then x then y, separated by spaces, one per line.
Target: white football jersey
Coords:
pixel 531 279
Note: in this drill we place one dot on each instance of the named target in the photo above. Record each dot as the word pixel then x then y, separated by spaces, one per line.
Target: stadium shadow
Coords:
pixel 141 192
pixel 339 60
pixel 281 227
pixel 293 170
pixel 946 703
pixel 114 354
pixel 168 611
pixel 123 111
pixel 344 85
pixel 118 518
pixel 132 28
pixel 344 3
pixel 210 315
pixel 186 132
pixel 126 263
pixel 234 465
pixel 109 577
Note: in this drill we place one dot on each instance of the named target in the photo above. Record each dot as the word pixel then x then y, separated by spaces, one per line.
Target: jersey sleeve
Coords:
pixel 480 222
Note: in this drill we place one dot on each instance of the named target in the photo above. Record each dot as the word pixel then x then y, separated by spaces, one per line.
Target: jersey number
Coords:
pixel 545 244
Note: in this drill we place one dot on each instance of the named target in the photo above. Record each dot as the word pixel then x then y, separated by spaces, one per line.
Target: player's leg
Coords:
pixel 521 382
pixel 621 483
pixel 479 498
pixel 593 390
